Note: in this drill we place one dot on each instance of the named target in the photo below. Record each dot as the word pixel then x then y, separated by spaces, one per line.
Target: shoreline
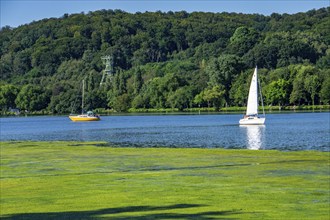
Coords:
pixel 229 110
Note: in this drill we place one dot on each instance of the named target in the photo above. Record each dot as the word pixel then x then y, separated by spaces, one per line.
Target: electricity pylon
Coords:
pixel 108 71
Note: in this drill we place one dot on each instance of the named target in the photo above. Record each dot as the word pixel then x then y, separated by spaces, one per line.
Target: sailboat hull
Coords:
pixel 252 121
pixel 84 118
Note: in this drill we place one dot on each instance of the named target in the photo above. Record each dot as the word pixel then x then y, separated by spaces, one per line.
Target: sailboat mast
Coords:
pixel 83 95
pixel 262 100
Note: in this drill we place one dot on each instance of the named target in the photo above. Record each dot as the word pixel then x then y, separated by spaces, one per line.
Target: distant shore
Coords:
pixel 234 109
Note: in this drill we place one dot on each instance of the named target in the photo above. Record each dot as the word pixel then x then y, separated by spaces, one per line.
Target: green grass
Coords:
pixel 71 180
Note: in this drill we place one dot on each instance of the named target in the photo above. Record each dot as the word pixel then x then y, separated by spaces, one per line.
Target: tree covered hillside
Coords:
pixel 165 60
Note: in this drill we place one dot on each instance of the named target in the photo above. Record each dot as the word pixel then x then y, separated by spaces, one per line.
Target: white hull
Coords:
pixel 252 121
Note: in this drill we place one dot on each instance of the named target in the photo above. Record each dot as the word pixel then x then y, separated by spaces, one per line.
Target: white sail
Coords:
pixel 252 105
pixel 252 117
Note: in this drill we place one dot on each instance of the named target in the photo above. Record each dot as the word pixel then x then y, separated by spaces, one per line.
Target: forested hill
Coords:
pixel 165 60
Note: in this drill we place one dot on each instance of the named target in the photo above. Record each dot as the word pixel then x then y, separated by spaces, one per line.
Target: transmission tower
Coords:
pixel 108 71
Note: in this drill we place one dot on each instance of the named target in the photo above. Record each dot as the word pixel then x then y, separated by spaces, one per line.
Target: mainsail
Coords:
pixel 252 105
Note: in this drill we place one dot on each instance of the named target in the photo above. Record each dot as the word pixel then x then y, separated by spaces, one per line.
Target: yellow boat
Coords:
pixel 90 116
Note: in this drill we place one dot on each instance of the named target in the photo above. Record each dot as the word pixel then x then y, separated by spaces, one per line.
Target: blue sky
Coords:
pixel 18 12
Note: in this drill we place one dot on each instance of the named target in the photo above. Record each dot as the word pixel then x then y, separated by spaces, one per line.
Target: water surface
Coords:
pixel 286 131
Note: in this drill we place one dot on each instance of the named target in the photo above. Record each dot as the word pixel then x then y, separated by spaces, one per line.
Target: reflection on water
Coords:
pixel 254 136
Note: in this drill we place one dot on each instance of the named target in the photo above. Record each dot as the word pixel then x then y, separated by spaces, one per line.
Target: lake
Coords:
pixel 284 131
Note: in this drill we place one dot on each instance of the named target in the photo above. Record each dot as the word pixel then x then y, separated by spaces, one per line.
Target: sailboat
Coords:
pixel 89 116
pixel 252 117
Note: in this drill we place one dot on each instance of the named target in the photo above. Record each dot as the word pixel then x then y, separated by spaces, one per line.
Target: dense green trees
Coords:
pixel 325 89
pixel 32 98
pixel 243 40
pixel 8 94
pixel 277 92
pixel 165 60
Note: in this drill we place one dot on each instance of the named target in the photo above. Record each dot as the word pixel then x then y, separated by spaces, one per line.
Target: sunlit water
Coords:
pixel 294 131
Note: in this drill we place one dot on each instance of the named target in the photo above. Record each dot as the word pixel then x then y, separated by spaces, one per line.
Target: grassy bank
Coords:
pixel 70 180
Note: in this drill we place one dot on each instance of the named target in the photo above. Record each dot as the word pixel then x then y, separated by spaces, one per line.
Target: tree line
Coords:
pixel 165 60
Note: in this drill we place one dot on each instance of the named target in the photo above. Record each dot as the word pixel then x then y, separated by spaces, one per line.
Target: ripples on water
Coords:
pixel 295 131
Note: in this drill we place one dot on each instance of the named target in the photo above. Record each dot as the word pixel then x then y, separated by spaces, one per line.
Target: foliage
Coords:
pixel 32 98
pixel 8 94
pixel 165 60
pixel 277 92
pixel 212 96
pixel 325 89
